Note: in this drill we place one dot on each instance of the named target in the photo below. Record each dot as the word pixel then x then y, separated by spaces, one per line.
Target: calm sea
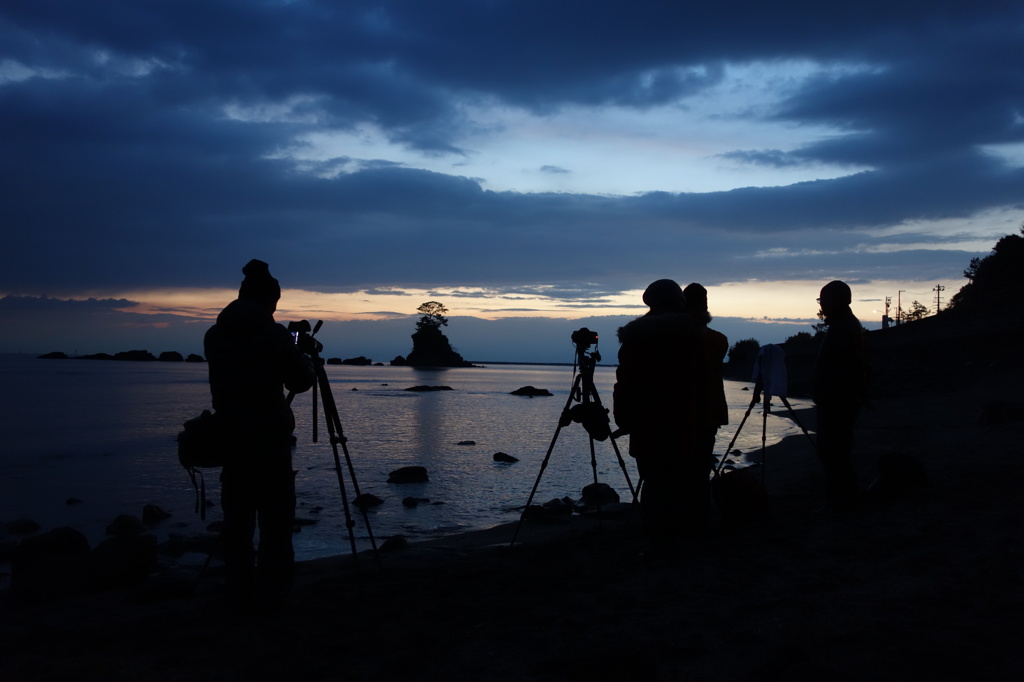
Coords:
pixel 103 432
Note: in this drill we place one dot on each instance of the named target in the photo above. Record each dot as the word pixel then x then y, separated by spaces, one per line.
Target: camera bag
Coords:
pixel 201 446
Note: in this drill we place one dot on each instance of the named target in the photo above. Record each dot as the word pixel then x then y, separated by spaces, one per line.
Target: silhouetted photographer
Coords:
pixel 252 360
pixel 840 391
pixel 660 395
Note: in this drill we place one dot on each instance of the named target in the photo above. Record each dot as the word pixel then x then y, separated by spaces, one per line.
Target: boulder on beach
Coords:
pixel 557 510
pixel 122 561
pixel 49 566
pixel 126 524
pixel 394 542
pixel 152 514
pixel 596 494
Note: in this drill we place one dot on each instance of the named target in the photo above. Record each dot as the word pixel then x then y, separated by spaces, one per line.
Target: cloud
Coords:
pixel 377 146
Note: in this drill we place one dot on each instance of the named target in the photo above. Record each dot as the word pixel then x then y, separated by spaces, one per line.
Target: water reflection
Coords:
pixel 104 432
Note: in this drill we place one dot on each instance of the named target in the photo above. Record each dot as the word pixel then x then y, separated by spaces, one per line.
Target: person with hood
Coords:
pixel 661 387
pixel 840 389
pixel 252 360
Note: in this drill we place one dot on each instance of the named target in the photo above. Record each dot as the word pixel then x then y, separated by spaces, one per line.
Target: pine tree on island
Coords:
pixel 430 348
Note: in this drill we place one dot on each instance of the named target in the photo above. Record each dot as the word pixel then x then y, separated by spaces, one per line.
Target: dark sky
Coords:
pixel 551 157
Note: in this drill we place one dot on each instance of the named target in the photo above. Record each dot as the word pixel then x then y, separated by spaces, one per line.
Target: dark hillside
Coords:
pixel 937 353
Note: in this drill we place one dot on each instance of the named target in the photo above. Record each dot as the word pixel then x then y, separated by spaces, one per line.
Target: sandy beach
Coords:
pixel 926 587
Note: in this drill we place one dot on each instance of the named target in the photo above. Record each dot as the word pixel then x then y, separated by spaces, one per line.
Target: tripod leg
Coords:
pixel 634 492
pixel 337 437
pixel 544 463
pixel 355 487
pixel 349 523
pixel 792 414
pixel 764 432
pixel 728 449
pixel 593 460
pixel 543 466
pixel 316 423
pixel 592 390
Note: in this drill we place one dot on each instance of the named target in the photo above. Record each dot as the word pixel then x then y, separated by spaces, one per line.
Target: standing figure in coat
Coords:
pixel 252 360
pixel 715 413
pixel 839 391
pixel 660 389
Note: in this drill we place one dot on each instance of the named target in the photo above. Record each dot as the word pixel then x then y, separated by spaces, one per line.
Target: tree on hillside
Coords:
pixel 800 341
pixel 742 356
pixel 918 311
pixel 995 279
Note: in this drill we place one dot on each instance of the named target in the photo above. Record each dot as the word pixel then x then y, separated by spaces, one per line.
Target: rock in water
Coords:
pixel 412 474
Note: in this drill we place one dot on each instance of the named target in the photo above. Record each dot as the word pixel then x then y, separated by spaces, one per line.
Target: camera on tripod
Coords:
pixel 302 333
pixel 588 411
pixel 584 338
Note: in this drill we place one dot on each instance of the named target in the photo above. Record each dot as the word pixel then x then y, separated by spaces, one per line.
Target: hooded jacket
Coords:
pixel 661 389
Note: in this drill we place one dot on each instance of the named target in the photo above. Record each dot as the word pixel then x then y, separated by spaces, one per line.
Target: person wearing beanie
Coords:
pixel 258 285
pixel 660 387
pixel 716 345
pixel 840 388
pixel 252 360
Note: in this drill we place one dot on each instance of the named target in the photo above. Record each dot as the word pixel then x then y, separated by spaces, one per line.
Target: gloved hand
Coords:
pixel 307 344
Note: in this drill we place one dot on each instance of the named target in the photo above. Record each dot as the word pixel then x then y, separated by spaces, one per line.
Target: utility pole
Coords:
pixel 938 296
pixel 885 317
pixel 899 307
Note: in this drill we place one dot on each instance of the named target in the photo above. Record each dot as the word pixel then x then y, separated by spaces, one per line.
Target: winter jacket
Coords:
pixel 251 360
pixel 716 347
pixel 841 372
pixel 661 393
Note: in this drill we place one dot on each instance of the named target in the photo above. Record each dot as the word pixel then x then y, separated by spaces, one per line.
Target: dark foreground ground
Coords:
pixel 925 588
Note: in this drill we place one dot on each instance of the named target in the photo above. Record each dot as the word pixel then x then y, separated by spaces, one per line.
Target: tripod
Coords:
pixel 769 379
pixel 588 412
pixel 312 347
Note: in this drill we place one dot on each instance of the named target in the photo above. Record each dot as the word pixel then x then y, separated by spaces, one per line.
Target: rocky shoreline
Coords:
pixel 920 582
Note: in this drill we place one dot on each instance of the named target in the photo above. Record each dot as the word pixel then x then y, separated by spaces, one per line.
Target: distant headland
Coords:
pixel 135 355
pixel 174 356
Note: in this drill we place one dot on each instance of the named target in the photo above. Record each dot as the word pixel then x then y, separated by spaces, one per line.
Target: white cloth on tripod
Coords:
pixel 770 370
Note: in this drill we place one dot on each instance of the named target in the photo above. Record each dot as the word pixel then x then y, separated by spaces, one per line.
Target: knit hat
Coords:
pixel 837 291
pixel 664 295
pixel 258 284
pixel 696 297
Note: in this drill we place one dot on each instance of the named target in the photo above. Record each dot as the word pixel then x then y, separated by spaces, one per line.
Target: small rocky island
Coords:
pixel 430 347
